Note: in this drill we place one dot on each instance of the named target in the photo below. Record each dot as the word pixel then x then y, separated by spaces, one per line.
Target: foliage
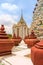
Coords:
pixel 2 63
pixel 9 35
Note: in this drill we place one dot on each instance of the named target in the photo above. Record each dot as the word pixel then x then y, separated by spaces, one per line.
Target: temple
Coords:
pixel 37 24
pixel 21 29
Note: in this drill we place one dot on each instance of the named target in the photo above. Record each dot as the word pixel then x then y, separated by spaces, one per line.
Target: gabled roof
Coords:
pixel 22 21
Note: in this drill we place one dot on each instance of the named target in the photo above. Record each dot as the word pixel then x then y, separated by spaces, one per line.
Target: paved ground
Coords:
pixel 18 58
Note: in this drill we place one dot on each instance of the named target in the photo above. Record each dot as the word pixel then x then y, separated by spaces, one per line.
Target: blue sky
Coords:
pixel 10 12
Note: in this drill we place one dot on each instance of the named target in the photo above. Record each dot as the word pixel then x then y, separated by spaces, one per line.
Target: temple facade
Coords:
pixel 21 29
pixel 37 23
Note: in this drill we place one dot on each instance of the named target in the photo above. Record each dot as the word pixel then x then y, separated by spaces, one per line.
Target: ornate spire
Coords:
pixel 21 14
pixel 21 18
pixel 22 21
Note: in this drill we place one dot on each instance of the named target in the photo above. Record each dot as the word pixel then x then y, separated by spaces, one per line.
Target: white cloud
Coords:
pixel 7 18
pixel 8 21
pixel 8 29
pixel 9 6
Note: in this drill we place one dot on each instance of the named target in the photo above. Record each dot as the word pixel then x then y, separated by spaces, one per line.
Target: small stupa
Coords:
pixel 16 39
pixel 14 36
pixel 32 35
pixel 6 44
pixel 31 39
pixel 3 34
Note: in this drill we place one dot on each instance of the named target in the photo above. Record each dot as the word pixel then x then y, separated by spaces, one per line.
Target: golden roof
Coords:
pixel 22 21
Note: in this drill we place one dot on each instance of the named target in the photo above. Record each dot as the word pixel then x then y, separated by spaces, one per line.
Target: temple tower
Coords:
pixel 37 23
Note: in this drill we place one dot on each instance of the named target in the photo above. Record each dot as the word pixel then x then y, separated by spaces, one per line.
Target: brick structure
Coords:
pixel 7 44
pixel 37 53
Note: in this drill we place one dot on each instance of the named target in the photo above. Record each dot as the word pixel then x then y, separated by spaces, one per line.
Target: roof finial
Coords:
pixel 21 13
